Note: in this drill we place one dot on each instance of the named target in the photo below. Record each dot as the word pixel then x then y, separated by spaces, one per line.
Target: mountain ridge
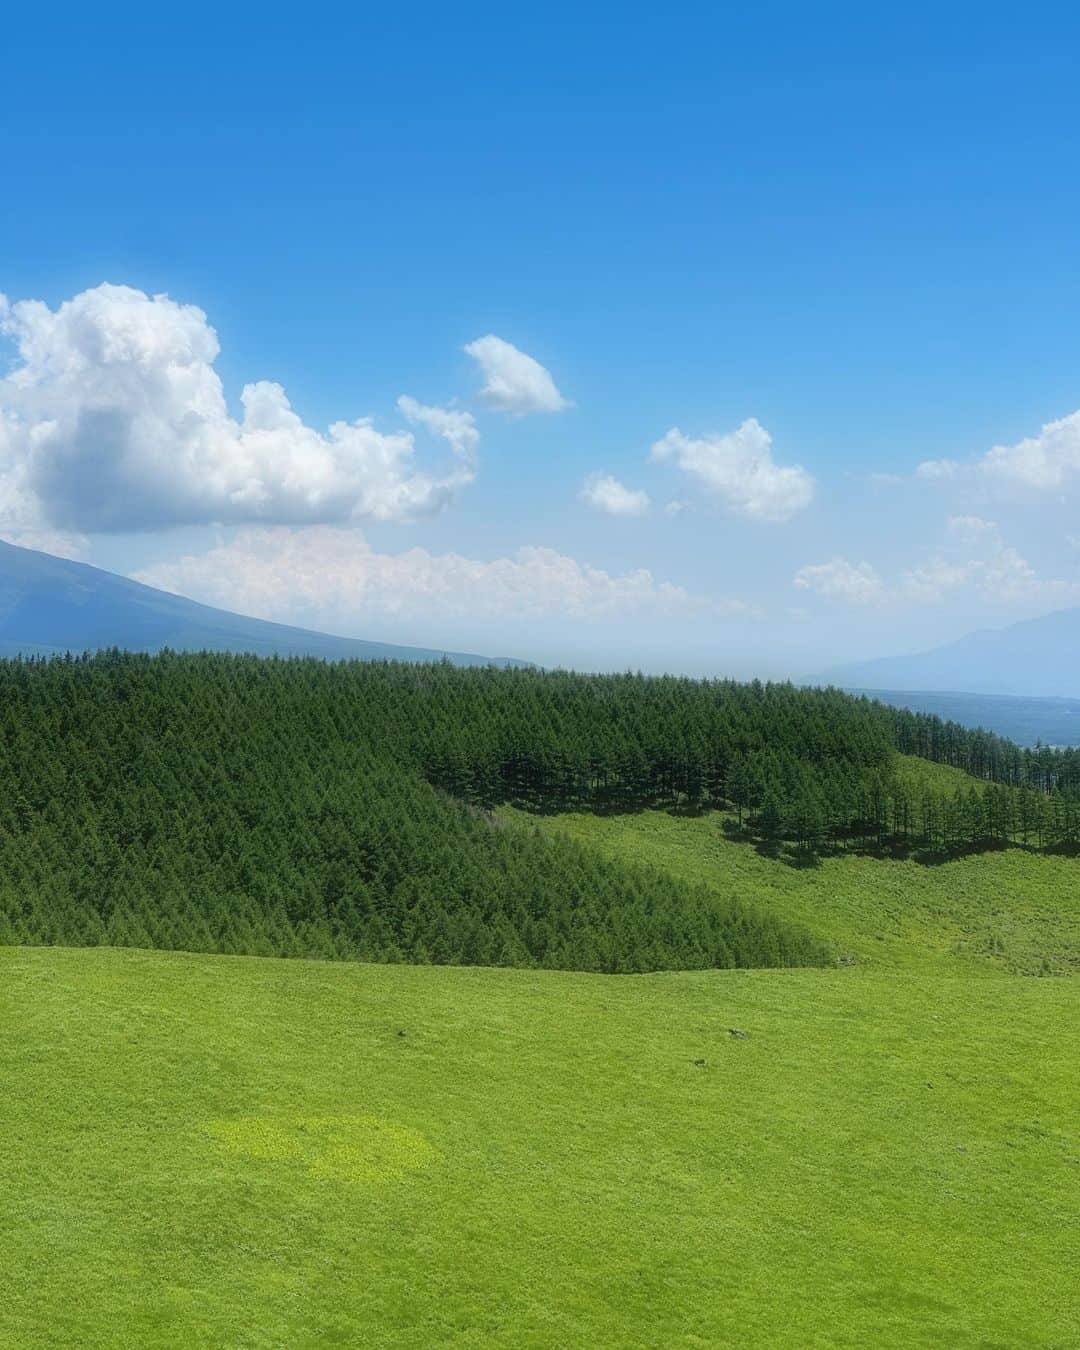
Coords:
pixel 51 605
pixel 1033 658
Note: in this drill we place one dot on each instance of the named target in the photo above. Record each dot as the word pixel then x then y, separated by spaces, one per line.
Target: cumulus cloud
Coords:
pixel 857 583
pixel 114 418
pixel 329 577
pixel 739 470
pixel 514 382
pixel 1047 460
pixel 603 492
pixel 973 560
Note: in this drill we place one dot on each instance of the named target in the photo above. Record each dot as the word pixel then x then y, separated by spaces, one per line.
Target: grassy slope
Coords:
pixel 1013 911
pixel 887 1159
pixel 246 1152
pixel 916 773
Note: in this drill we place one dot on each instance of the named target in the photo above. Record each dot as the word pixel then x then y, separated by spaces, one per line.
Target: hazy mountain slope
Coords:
pixel 1035 658
pixel 1051 721
pixel 50 604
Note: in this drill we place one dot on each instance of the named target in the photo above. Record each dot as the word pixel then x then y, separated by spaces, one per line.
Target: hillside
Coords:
pixel 874 1146
pixel 1000 910
pixel 224 803
pixel 1034 658
pixel 1010 911
pixel 230 1151
pixel 53 605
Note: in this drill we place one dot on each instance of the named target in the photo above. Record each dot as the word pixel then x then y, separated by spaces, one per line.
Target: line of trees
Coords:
pixel 891 815
pixel 817 768
pixel 985 755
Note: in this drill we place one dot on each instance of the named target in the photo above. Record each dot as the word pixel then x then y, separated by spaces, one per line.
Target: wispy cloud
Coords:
pixel 333 578
pixel 973 558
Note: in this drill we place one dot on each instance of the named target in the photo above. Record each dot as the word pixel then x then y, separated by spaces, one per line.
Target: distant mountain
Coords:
pixel 1035 658
pixel 53 605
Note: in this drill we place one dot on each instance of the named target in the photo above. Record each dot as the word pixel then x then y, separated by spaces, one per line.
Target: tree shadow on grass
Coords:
pixel 889 850
pixel 799 857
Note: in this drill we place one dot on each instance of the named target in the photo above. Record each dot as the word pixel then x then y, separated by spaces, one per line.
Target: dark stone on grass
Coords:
pixel 737 1033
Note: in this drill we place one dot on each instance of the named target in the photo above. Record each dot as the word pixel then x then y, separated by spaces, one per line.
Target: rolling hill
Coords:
pixel 1008 910
pixel 878 1148
pixel 52 605
pixel 1035 658
pixel 221 802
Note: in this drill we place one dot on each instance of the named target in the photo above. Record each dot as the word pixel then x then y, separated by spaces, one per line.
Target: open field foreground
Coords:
pixel 231 1151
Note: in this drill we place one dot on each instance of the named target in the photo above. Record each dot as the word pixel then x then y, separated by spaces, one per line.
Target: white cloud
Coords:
pixel 1044 461
pixel 857 583
pixel 327 577
pixel 457 428
pixel 603 492
pixel 937 469
pixel 514 382
pixel 1047 462
pixel 973 562
pixel 739 469
pixel 971 530
pixel 114 418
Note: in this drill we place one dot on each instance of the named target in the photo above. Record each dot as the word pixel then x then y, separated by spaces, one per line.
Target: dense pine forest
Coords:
pixel 294 807
pixel 810 766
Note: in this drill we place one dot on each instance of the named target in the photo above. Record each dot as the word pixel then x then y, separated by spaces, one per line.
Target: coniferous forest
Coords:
pixel 292 807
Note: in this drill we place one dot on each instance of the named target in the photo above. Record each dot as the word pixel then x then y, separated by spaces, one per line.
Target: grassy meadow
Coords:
pixel 1009 910
pixel 233 1151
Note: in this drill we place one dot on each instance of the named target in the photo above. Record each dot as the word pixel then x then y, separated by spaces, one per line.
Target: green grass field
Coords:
pixel 229 1151
pixel 1010 911
pixel 247 1152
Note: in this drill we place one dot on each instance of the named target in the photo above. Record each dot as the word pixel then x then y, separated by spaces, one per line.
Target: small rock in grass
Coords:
pixel 737 1033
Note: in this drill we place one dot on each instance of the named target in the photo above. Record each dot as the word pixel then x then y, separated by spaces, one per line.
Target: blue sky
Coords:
pixel 856 228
